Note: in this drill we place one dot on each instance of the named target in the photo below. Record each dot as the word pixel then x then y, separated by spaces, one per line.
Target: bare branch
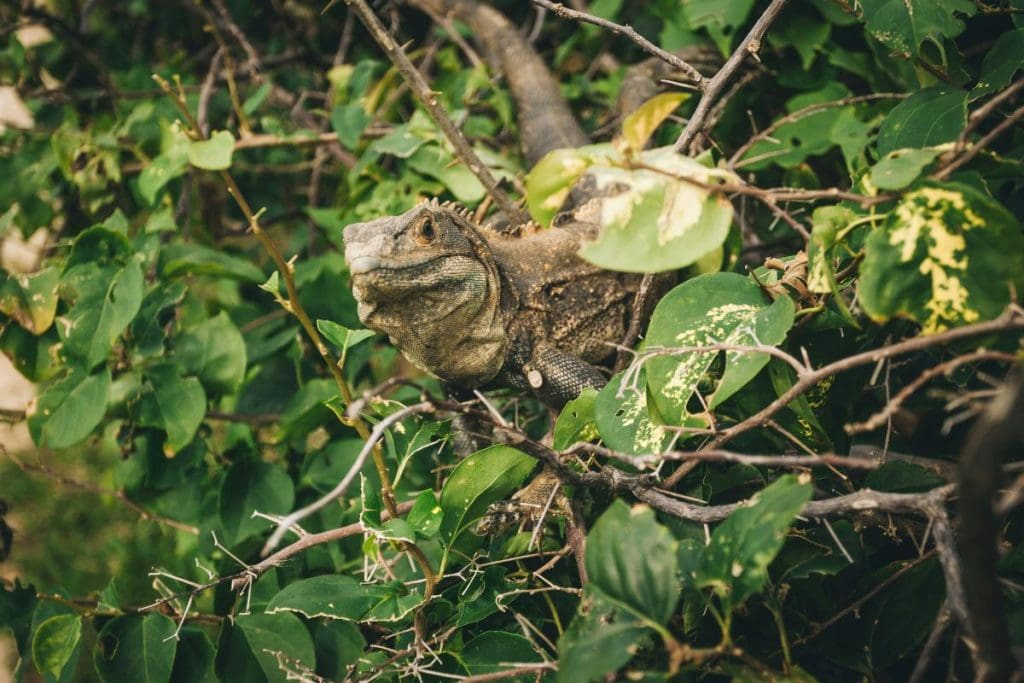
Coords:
pixel 629 32
pixel 428 99
pixel 750 46
pixel 289 520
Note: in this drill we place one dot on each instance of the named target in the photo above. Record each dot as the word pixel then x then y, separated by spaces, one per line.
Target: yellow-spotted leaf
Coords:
pixel 717 308
pixel 31 300
pixel 942 258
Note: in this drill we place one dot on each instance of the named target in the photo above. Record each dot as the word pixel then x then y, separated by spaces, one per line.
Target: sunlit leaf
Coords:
pixel 213 154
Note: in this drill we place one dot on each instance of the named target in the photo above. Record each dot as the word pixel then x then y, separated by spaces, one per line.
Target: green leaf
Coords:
pixel 338 645
pixel 902 25
pixel 178 259
pixel 30 299
pixel 1002 62
pixel 401 142
pixel 349 121
pixel 435 161
pixel 720 18
pixel 193 662
pixel 813 134
pixel 148 330
pixel 929 117
pixel 656 220
pixel 341 336
pixel 102 311
pixel 717 308
pixel 215 352
pixel 576 421
pixel 638 127
pixel 136 648
pixel 166 166
pixel 941 259
pixel 249 649
pixel 248 487
pixel 426 515
pixel 253 101
pixel 631 559
pixel 55 641
pixel 901 168
pixel 331 596
pixel 827 222
pixel 397 601
pixel 624 420
pixel 175 404
pixel 68 411
pixel 549 181
pixel 601 638
pixel 481 479
pixel 903 477
pixel 494 651
pixel 213 154
pixel 804 31
pixel 735 563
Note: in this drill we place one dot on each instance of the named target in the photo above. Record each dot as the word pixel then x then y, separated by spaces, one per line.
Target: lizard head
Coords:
pixel 427 279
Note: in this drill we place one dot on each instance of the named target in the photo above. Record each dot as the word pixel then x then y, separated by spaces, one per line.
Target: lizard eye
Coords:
pixel 427 230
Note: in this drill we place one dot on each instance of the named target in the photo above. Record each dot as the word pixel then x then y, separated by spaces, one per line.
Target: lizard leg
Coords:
pixel 557 377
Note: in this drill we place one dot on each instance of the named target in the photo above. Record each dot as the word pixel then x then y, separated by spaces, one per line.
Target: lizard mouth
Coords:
pixel 368 264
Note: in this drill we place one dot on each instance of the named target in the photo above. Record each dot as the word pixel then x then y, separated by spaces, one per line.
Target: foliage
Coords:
pixel 196 359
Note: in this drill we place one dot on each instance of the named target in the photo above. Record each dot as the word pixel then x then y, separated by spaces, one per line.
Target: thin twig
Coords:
pixel 980 145
pixel 428 99
pixel 1011 320
pixel 880 418
pixel 629 32
pixel 734 160
pixel 338 491
pixel 750 46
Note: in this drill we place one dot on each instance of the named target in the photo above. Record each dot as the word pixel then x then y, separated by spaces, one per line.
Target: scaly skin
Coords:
pixel 479 308
pixel 545 121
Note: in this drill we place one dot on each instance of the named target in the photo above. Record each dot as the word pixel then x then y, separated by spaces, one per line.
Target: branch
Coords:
pixel 1012 319
pixel 627 31
pixel 984 142
pixel 865 500
pixel 338 491
pixel 311 540
pixel 796 461
pixel 751 45
pixel 428 99
pixel 880 418
pixel 996 436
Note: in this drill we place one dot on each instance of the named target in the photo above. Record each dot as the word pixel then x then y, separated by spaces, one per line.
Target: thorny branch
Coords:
pixel 750 46
pixel 428 98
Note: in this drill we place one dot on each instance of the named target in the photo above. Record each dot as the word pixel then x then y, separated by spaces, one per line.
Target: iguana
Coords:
pixel 480 307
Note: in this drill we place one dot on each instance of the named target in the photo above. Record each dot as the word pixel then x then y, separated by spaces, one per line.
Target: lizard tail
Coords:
pixel 545 121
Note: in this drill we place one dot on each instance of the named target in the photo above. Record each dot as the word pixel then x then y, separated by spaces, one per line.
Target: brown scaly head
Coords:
pixel 428 279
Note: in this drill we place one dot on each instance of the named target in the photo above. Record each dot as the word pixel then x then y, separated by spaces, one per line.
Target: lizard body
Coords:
pixel 480 308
